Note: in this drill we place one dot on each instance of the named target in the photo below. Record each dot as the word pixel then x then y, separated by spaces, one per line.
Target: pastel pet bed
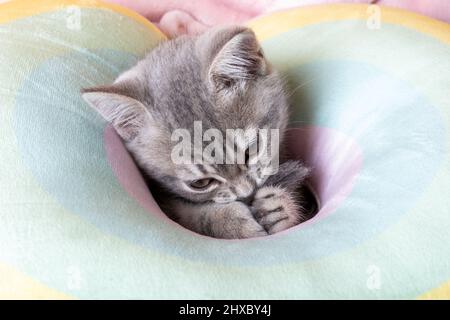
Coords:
pixel 371 114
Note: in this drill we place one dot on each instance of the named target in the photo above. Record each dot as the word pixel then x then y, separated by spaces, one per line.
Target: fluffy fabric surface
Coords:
pixel 176 17
pixel 77 220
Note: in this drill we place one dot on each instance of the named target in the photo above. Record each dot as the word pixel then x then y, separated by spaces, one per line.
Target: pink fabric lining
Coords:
pixel 127 172
pixel 335 159
pixel 176 17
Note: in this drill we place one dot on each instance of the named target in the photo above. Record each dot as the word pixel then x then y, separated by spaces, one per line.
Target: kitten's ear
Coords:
pixel 126 114
pixel 234 55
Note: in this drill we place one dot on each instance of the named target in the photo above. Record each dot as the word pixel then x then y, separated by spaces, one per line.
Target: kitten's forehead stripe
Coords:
pixel 202 169
pixel 210 168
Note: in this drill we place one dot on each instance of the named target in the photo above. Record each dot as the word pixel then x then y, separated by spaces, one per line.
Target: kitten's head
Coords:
pixel 220 78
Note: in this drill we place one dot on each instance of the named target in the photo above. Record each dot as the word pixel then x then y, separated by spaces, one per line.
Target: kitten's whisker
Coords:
pixel 298 122
pixel 301 85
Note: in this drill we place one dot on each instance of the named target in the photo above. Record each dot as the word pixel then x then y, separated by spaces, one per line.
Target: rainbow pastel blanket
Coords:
pixel 370 111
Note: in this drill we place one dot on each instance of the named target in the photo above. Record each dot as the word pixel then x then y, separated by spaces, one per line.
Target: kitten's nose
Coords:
pixel 247 200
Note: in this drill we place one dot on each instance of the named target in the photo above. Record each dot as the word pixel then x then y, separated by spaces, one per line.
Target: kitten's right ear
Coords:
pixel 126 114
pixel 232 54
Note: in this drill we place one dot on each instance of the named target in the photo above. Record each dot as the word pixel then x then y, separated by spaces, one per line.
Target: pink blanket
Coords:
pixel 175 17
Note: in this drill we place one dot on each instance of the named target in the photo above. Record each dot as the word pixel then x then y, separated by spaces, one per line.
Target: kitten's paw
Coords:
pixel 225 221
pixel 275 209
pixel 235 221
pixel 250 229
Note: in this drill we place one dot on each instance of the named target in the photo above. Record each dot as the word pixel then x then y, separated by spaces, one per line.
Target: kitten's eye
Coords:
pixel 201 183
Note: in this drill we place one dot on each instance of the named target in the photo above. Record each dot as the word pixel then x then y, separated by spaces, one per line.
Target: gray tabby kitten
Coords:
pixel 222 79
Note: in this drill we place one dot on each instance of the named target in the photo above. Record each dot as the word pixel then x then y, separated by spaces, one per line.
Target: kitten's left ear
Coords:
pixel 126 114
pixel 234 55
